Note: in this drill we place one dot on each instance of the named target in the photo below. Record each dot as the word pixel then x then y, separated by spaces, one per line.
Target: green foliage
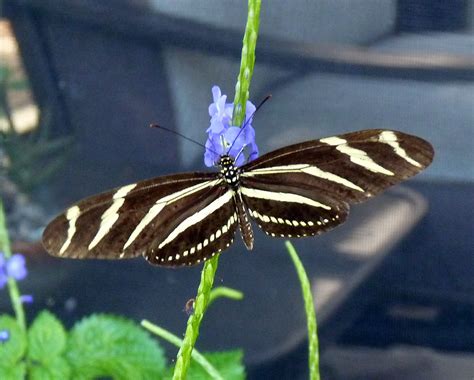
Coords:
pixel 99 346
pixel 56 368
pixel 228 364
pixel 16 372
pixel 105 345
pixel 46 345
pixel 46 337
pixel 30 158
pixel 13 350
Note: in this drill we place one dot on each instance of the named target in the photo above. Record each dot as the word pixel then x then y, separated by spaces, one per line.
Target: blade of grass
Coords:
pixel 310 313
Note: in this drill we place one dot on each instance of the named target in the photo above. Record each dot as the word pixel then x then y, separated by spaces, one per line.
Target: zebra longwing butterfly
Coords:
pixel 183 219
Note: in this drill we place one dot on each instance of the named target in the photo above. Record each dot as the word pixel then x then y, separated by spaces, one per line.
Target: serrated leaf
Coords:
pixel 46 338
pixel 105 345
pixel 16 372
pixel 12 350
pixel 56 369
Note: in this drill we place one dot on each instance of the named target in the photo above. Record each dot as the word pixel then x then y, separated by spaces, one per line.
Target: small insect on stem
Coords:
pixel 189 306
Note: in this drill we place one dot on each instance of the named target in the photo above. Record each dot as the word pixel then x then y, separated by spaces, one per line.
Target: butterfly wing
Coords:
pixel 123 222
pixel 304 189
pixel 283 210
pixel 353 166
pixel 198 232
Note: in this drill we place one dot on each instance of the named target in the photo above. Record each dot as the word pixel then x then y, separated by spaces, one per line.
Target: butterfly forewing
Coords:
pixel 352 167
pixel 199 232
pixel 122 223
pixel 283 210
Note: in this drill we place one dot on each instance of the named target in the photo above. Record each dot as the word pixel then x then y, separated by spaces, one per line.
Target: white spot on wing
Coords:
pixel 304 168
pixel 389 138
pixel 111 215
pixel 198 216
pixel 71 215
pixel 161 203
pixel 282 197
pixel 357 156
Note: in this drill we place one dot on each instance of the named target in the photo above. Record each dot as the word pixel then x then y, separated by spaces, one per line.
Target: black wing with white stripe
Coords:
pixel 201 229
pixel 300 190
pixel 351 167
pixel 282 210
pixel 124 222
pixel 335 171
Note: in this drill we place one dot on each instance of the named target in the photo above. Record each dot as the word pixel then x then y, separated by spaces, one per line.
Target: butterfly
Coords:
pixel 182 219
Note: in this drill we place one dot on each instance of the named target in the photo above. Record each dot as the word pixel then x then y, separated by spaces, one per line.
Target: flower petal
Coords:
pixel 15 267
pixel 216 93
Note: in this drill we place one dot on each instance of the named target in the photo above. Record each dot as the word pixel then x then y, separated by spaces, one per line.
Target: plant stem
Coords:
pixel 192 329
pixel 207 275
pixel 247 62
pixel 5 247
pixel 310 313
pixel 223 291
pixel 173 339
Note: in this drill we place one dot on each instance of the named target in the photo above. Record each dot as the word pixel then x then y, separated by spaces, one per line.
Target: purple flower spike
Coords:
pixel 4 336
pixel 237 142
pixel 15 267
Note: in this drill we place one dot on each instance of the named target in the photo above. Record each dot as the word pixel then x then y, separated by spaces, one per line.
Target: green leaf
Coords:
pixel 16 372
pixel 14 348
pixel 46 338
pixel 56 369
pixel 105 345
pixel 228 364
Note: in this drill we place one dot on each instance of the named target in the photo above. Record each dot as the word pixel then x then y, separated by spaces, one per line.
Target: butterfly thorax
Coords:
pixel 229 171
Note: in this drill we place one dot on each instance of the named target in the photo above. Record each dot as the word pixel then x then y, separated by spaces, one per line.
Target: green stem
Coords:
pixel 247 62
pixel 310 313
pixel 5 247
pixel 183 357
pixel 173 339
pixel 207 276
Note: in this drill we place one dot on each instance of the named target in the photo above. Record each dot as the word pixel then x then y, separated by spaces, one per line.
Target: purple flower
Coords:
pixel 3 275
pixel 225 138
pixel 15 267
pixel 4 336
pixel 26 298
pixel 12 267
pixel 219 111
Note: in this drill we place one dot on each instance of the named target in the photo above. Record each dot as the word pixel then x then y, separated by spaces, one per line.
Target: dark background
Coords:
pixel 106 70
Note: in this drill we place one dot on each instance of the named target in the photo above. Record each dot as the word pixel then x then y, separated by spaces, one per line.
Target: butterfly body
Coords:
pixel 300 190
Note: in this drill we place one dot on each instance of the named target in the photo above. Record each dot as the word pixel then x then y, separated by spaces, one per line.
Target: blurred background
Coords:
pixel 394 286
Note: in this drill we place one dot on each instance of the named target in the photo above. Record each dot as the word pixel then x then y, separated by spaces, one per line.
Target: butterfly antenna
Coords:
pixel 247 122
pixel 181 135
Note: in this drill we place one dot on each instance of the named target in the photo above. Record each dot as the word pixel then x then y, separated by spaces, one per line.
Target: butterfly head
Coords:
pixel 229 171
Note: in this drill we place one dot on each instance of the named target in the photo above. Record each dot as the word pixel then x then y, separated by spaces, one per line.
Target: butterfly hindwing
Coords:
pixel 201 231
pixel 289 211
